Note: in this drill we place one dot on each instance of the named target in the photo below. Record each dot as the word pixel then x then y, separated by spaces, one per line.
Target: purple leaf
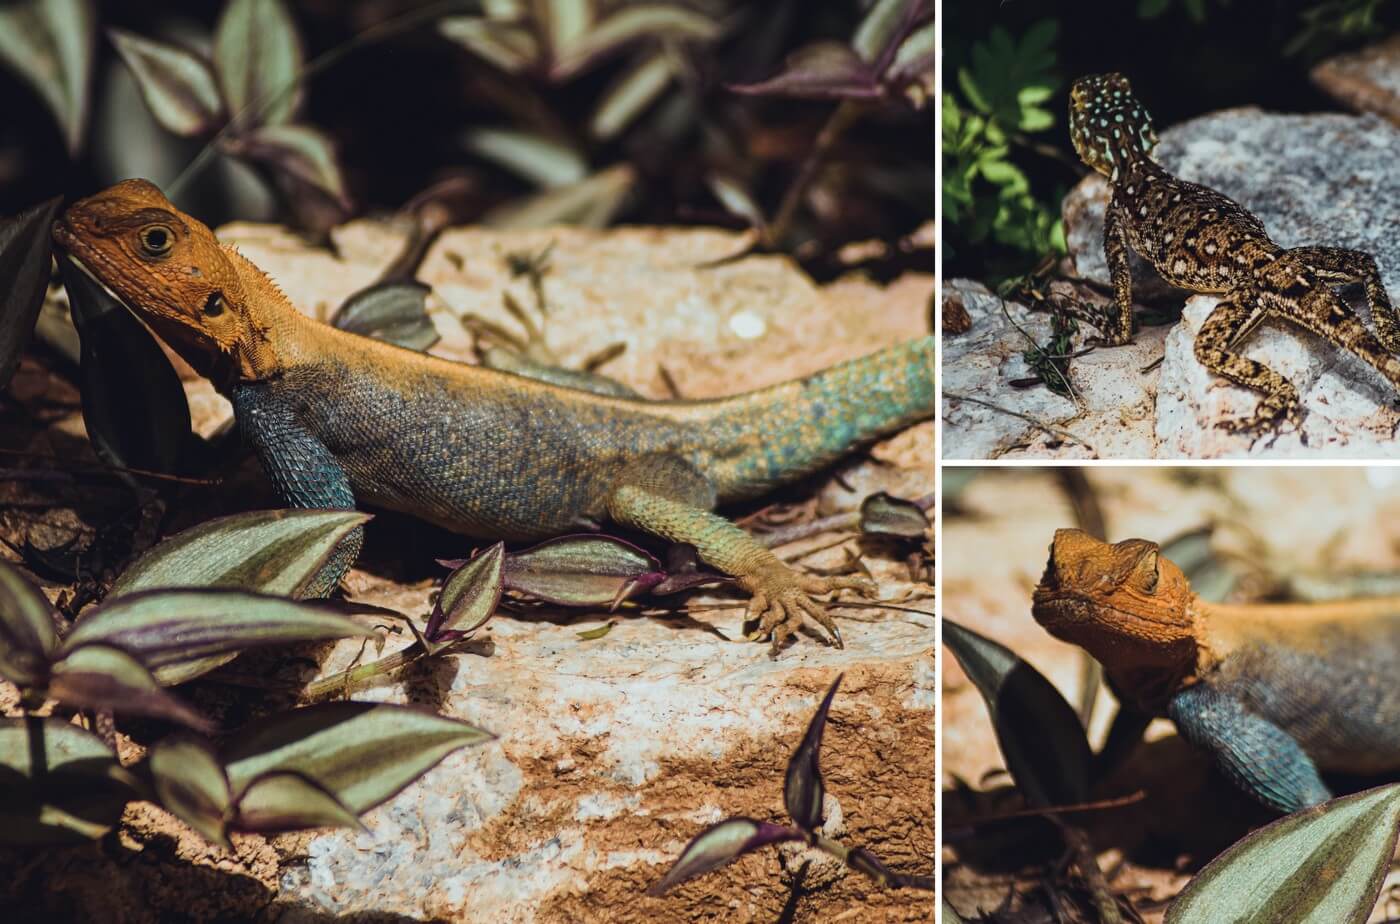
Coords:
pixel 27 637
pixel 177 85
pixel 469 596
pixel 803 789
pixel 822 70
pixel 882 514
pixel 103 677
pixel 258 56
pixel 582 570
pixel 25 248
pixel 191 784
pixel 289 801
pixel 721 844
pixel 299 152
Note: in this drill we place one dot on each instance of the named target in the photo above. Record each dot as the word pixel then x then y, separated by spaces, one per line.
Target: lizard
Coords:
pixel 337 419
pixel 1274 693
pixel 1200 240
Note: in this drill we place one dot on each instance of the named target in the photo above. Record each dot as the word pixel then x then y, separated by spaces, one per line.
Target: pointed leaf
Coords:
pixel 589 203
pixel 564 21
pixel 58 783
pixel 885 22
pixel 628 24
pixel 1041 739
pixel 190 783
pixel 396 312
pixel 538 158
pixel 181 634
pixel 177 85
pixel 257 55
pixel 719 845
pixel 1323 865
pixel 28 641
pixel 26 250
pixel 590 635
pixel 134 406
pixel 107 678
pixel 915 58
pixel 271 551
pixel 631 94
pixel 303 153
pixel 469 596
pixel 362 753
pixel 736 199
pixel 585 570
pixel 822 70
pixel 884 515
pixel 50 43
pixel 511 47
pixel 288 801
pixel 803 789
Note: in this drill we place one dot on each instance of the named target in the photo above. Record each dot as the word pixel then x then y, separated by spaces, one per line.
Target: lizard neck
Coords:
pixel 273 332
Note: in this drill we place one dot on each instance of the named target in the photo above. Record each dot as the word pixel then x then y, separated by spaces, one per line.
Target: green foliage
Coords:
pixel 1332 22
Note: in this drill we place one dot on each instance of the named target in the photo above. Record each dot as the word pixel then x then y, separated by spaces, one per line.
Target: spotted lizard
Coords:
pixel 339 419
pixel 1274 692
pixel 1202 241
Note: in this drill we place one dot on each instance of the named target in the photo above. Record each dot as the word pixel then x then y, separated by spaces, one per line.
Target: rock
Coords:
pixel 1367 80
pixel 1115 385
pixel 1312 179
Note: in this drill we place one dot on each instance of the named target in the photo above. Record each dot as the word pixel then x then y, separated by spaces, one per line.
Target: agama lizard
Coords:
pixel 1274 692
pixel 339 419
pixel 1201 241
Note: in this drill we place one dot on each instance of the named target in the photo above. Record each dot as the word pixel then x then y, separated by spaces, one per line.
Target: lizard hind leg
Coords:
pixel 1215 347
pixel 667 496
pixel 1339 264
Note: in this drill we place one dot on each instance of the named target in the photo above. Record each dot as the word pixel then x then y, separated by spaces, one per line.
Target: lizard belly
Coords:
pixel 1337 694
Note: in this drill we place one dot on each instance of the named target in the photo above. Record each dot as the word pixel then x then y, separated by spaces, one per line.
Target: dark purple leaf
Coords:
pixel 392 311
pixel 884 515
pixel 177 85
pixel 191 784
pixel 582 570
pixel 257 53
pixel 469 596
pixel 25 251
pixel 50 44
pixel 822 70
pixel 107 678
pixel 299 152
pixel 61 784
pixel 27 637
pixel 721 844
pixel 803 789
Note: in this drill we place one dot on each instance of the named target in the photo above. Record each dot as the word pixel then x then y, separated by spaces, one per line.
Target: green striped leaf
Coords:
pixel 719 845
pixel 288 801
pixel 360 753
pixel 61 784
pixel 1323 865
pixel 101 677
pixel 191 785
pixel 469 596
pixel 27 637
pixel 272 551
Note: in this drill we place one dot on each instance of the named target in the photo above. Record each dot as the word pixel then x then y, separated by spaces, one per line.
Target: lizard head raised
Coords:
pixel 1107 124
pixel 170 270
pixel 1124 603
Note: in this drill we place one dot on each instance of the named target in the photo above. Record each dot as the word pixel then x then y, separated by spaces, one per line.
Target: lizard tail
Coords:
pixel 781 433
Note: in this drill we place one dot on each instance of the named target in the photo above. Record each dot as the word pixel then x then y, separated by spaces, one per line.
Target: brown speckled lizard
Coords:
pixel 339 419
pixel 1202 241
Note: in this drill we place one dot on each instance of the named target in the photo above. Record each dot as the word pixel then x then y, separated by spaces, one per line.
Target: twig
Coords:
pixel 144 473
pixel 1053 431
pixel 1084 858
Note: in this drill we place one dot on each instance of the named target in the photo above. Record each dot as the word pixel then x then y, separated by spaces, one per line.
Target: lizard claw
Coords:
pixel 782 599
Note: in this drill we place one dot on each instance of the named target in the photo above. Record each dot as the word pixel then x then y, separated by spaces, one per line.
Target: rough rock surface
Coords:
pixel 612 752
pixel 1115 386
pixel 1312 179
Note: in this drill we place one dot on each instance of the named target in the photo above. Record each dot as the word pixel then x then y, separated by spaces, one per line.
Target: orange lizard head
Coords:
pixel 1125 604
pixel 166 267
pixel 1107 124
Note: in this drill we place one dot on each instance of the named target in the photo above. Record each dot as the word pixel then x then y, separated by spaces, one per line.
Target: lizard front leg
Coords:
pixel 302 470
pixel 666 496
pixel 1339 264
pixel 1238 312
pixel 1257 755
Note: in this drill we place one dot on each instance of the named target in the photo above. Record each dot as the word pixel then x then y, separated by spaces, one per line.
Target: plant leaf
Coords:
pixel 590 635
pixel 361 753
pixel 1324 864
pixel 1040 736
pixel 257 54
pixel 28 641
pixel 631 94
pixel 583 570
pixel 181 634
pixel 288 801
pixel 589 203
pixel 883 25
pixel 302 153
pixel 190 783
pixel 26 249
pixel 469 596
pixel 134 406
pixel 803 789
pixel 511 47
pixel 50 43
pixel 102 677
pixel 396 312
pixel 544 161
pixel 271 551
pixel 627 24
pixel 719 845
pixel 59 784
pixel 736 199
pixel 822 70
pixel 884 515
pixel 177 85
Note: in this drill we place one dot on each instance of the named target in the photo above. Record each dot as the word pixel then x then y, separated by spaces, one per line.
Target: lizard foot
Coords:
pixel 782 599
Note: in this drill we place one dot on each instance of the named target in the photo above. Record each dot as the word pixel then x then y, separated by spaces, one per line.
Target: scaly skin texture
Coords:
pixel 1273 692
pixel 339 419
pixel 1202 241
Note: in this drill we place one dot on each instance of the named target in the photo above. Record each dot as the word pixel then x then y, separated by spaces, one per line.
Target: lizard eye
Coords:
pixel 214 305
pixel 1146 572
pixel 157 240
